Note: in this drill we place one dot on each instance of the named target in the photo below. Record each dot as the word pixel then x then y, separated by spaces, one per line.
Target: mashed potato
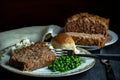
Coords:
pixel 23 43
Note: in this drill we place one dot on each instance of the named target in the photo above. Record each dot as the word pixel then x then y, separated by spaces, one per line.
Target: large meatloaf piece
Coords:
pixel 87 23
pixel 32 57
pixel 88 39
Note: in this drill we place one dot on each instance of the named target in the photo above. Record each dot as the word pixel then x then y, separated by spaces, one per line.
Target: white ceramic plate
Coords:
pixel 113 37
pixel 87 63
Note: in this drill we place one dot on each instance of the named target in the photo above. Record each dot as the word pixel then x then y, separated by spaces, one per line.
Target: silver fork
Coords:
pixel 97 56
pixel 109 71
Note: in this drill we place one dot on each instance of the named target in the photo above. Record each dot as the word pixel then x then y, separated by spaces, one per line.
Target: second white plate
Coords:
pixel 112 38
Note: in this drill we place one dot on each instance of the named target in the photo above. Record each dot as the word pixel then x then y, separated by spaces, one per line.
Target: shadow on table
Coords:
pixel 7 75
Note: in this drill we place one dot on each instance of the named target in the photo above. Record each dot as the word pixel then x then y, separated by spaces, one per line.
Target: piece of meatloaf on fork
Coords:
pixel 32 57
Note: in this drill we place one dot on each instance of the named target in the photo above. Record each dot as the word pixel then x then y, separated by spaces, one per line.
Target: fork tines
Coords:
pixel 64 52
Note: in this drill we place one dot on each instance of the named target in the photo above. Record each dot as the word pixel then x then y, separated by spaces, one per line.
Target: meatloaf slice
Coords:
pixel 87 23
pixel 32 57
pixel 88 39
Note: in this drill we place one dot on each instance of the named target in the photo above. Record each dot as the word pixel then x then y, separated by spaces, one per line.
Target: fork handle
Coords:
pixel 102 56
pixel 109 72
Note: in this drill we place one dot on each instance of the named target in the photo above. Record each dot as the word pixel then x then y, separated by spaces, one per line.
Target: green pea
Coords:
pixel 65 63
pixel 54 70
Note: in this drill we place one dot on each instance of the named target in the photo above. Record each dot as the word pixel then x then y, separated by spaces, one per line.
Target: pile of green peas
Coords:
pixel 65 63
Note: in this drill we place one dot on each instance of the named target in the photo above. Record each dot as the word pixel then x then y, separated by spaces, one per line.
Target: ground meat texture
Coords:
pixel 32 57
pixel 88 39
pixel 87 23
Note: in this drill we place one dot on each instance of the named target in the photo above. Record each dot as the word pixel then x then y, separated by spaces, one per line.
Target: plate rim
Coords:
pixel 114 38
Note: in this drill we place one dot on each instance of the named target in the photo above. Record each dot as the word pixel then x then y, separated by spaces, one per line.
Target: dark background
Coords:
pixel 22 13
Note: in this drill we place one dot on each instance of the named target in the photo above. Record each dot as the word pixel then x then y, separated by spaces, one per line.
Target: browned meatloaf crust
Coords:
pixel 33 57
pixel 88 39
pixel 87 23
